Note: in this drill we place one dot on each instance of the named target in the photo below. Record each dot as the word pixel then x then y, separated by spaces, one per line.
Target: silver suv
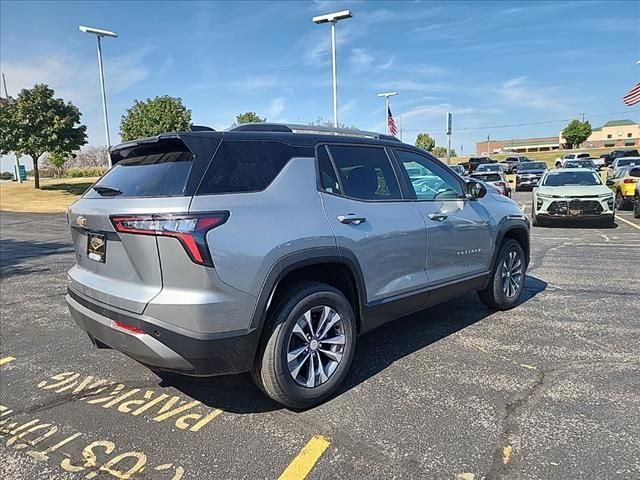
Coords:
pixel 269 248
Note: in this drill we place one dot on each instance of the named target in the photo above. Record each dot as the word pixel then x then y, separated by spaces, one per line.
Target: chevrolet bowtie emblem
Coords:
pixel 81 221
pixel 96 243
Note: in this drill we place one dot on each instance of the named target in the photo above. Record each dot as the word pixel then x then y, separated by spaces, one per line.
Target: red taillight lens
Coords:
pixel 190 229
pixel 630 180
pixel 127 327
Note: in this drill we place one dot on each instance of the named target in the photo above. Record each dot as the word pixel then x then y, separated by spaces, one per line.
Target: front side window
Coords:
pixel 365 172
pixel 429 180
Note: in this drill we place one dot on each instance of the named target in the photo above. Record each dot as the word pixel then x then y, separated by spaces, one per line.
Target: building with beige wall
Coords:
pixel 613 134
pixel 616 133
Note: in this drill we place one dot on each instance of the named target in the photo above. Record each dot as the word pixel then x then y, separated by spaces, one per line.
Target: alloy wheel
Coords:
pixel 316 346
pixel 512 267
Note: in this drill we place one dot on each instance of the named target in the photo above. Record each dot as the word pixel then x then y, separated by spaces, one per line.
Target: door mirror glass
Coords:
pixel 476 190
pixel 610 183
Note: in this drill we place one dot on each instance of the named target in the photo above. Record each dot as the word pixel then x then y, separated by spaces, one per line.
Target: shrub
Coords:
pixel 86 172
pixel 6 176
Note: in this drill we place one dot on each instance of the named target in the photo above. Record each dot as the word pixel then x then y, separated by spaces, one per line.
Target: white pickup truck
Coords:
pixel 560 161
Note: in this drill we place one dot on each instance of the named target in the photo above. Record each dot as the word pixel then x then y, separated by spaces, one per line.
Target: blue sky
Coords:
pixel 490 63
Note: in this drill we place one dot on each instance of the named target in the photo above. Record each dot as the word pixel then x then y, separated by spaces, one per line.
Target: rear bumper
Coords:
pixel 163 348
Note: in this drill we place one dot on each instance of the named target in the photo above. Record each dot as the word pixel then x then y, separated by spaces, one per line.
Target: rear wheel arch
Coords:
pixel 323 265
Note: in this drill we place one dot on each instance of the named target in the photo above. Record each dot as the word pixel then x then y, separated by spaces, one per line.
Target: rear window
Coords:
pixel 623 162
pixel 160 169
pixel 246 166
pixel 487 177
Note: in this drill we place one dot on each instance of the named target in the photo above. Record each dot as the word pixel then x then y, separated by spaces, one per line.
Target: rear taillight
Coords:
pixel 190 229
pixel 630 180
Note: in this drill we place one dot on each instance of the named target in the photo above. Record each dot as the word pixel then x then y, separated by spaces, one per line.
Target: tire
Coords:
pixel 273 373
pixel 608 222
pixel 636 206
pixel 621 204
pixel 495 296
pixel 535 221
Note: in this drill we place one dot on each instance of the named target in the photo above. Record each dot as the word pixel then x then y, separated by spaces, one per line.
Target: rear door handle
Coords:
pixel 351 218
pixel 438 217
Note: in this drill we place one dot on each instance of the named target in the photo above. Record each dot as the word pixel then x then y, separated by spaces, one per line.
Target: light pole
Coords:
pixel 386 96
pixel 99 34
pixel 333 18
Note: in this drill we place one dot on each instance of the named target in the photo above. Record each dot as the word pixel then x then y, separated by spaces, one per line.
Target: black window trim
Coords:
pixel 197 192
pixel 336 172
pixel 407 181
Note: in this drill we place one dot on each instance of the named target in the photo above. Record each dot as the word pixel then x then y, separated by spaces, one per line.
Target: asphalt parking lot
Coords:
pixel 549 390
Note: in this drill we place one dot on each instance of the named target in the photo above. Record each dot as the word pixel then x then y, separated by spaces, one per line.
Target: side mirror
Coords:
pixel 511 180
pixel 610 183
pixel 475 190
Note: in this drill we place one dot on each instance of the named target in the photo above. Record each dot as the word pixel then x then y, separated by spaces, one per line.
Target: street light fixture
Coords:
pixel 386 96
pixel 333 18
pixel 99 33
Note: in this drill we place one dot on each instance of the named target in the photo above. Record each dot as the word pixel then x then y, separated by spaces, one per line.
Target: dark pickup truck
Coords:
pixel 610 157
pixel 473 163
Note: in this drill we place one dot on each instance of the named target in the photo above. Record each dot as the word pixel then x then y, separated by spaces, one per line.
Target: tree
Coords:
pixel 57 160
pixel 249 117
pixel 576 132
pixel 425 142
pixel 8 129
pixel 154 116
pixel 89 157
pixel 44 124
pixel 439 152
pixel 322 122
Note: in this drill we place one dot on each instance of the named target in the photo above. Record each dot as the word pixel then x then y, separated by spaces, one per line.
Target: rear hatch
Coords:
pixel 150 179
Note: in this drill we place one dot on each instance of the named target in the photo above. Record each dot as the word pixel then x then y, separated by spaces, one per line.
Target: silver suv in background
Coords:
pixel 269 248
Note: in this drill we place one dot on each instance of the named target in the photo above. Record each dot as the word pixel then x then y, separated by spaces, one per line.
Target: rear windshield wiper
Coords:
pixel 107 191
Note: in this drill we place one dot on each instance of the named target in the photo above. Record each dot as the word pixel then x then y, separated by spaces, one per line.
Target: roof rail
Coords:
pixel 297 128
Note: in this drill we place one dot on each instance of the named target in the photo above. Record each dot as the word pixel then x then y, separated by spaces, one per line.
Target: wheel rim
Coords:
pixel 316 346
pixel 512 269
pixel 619 201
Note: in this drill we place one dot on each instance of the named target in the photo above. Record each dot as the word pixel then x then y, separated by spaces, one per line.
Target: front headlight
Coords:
pixel 606 195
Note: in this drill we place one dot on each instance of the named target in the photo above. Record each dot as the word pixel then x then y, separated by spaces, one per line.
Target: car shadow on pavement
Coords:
pixel 13 254
pixel 375 352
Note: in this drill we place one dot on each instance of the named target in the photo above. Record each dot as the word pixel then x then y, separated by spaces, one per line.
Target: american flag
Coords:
pixel 391 123
pixel 631 98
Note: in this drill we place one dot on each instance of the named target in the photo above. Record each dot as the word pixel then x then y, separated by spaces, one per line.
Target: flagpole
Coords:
pixel 386 96
pixel 386 112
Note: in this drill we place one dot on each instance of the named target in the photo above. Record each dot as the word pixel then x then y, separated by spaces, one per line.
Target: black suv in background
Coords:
pixel 473 163
pixel 610 157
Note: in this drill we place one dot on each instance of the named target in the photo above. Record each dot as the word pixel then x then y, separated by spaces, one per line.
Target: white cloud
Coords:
pixel 412 85
pixel 519 92
pixel 361 59
pixel 435 111
pixel 76 80
pixel 346 107
pixel 256 81
pixel 388 64
pixel 276 108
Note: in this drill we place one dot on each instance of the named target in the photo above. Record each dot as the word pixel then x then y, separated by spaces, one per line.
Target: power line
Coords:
pixel 544 122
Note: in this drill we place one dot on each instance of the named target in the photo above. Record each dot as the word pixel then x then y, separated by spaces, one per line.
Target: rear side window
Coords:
pixel 245 166
pixel 327 175
pixel 160 169
pixel 365 172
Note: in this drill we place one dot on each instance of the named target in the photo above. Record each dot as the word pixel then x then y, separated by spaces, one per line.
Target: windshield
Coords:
pixel 623 162
pixel 559 179
pixel 487 177
pixel 533 166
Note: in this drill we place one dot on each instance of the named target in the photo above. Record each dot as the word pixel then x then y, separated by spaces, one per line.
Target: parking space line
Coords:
pixel 6 360
pixel 618 217
pixel 304 462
